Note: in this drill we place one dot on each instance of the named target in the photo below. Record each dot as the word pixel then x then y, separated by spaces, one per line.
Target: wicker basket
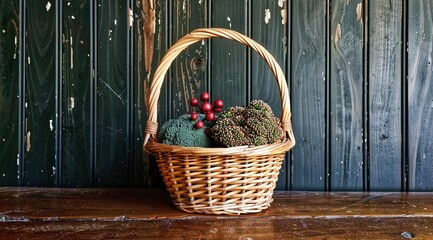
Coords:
pixel 231 180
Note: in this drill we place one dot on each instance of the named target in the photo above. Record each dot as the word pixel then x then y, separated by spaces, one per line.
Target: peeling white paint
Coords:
pixel 202 42
pixel 184 6
pixel 359 12
pixel 267 15
pixel 4 31
pixel 26 104
pixel 72 50
pixel 16 47
pixel 18 159
pixel 283 16
pixel 28 60
pixel 115 21
pixel 131 17
pixel 71 103
pixel 69 4
pixel 28 143
pixel 200 1
pixel 338 33
pixel 230 23
pixel 51 125
pixel 73 17
pixel 48 6
pixel 281 3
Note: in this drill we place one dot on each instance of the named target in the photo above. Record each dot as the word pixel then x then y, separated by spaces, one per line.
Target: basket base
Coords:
pixel 224 209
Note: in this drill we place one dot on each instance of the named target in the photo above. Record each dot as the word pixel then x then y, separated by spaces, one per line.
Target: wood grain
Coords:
pixel 308 94
pixel 188 78
pixel 385 116
pixel 145 172
pixel 334 228
pixel 9 92
pixel 228 60
pixel 40 158
pixel 271 34
pixel 112 163
pixel 346 97
pixel 149 214
pixel 420 99
pixel 76 157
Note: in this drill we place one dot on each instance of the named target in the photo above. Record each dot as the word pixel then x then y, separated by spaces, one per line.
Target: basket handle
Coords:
pixel 204 33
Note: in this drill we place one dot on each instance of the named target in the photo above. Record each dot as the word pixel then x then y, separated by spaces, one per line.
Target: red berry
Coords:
pixel 206 107
pixel 204 96
pixel 218 103
pixel 194 116
pixel 194 102
pixel 217 110
pixel 207 131
pixel 210 116
pixel 199 124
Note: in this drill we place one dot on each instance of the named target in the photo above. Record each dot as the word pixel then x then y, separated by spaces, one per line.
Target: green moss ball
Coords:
pixel 181 131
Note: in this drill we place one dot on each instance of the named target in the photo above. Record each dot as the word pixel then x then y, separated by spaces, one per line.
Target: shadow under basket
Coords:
pixel 233 180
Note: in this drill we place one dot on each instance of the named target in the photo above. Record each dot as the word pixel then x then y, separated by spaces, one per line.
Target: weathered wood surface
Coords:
pixel 40 100
pixel 9 92
pixel 228 60
pixel 270 32
pixel 420 97
pixel 385 88
pixel 77 167
pixel 113 89
pixel 346 97
pixel 144 172
pixel 149 214
pixel 308 79
pixel 189 77
pixel 73 76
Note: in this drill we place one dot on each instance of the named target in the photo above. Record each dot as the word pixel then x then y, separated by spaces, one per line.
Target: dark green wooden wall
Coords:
pixel 73 78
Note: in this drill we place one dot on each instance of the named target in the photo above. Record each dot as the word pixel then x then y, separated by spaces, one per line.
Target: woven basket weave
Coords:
pixel 231 180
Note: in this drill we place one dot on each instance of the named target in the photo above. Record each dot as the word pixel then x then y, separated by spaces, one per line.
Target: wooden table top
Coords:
pixel 149 214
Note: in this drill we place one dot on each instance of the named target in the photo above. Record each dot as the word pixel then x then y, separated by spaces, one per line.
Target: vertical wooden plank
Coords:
pixel 76 157
pixel 9 92
pixel 188 77
pixel 346 96
pixel 140 171
pixel 385 63
pixel 228 61
pixel 40 159
pixel 268 27
pixel 308 94
pixel 112 164
pixel 145 171
pixel 420 88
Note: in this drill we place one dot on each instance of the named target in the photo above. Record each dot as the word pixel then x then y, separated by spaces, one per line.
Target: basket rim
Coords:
pixel 242 151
